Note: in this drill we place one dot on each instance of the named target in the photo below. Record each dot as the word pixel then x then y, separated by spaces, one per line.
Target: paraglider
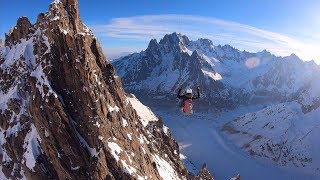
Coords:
pixel 187 104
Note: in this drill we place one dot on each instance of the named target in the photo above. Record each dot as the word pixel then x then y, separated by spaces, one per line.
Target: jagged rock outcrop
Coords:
pixel 63 111
pixel 20 31
pixel 204 174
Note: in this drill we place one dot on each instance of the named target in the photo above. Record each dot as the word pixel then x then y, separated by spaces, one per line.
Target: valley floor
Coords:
pixel 201 141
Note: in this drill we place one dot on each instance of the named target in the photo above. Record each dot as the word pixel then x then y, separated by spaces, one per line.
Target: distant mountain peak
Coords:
pixel 265 51
pixel 206 42
pixel 293 58
pixel 227 46
pixel 153 44
pixel 293 55
pixel 195 53
pixel 175 39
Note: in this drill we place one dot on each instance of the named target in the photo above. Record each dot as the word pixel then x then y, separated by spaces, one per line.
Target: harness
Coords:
pixel 187 106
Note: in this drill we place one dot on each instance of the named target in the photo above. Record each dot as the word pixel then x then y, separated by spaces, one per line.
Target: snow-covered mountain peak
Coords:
pixel 205 43
pixel 227 52
pixel 175 37
pixel 294 56
pixel 263 53
pixel 153 44
pixel 293 59
pixel 174 41
pixel 203 46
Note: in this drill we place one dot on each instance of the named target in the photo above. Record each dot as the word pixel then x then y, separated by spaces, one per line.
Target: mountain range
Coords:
pixel 228 77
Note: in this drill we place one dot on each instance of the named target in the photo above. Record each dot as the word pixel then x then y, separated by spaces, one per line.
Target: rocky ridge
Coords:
pixel 64 114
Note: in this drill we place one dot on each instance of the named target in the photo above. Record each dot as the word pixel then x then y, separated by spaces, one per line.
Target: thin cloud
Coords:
pixel 114 53
pixel 243 37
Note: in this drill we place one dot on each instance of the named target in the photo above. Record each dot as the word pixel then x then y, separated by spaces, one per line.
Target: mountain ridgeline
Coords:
pixel 228 77
pixel 64 113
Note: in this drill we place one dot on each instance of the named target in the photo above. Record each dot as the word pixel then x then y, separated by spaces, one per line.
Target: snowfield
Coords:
pixel 201 140
pixel 282 134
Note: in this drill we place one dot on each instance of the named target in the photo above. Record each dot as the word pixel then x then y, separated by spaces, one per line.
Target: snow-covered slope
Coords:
pixel 286 134
pixel 309 96
pixel 282 134
pixel 144 112
pixel 200 138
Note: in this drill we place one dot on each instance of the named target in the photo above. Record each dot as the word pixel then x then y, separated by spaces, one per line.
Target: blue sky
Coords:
pixel 280 26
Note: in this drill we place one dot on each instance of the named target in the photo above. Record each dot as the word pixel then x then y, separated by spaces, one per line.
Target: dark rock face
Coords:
pixel 64 114
pixel 313 106
pixel 204 174
pixel 20 31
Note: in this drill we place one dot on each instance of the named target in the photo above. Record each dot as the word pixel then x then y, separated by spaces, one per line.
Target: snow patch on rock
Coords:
pixel 144 112
pixel 124 122
pixel 32 148
pixel 111 109
pixel 115 150
pixel 165 170
pixel 42 81
pixel 84 143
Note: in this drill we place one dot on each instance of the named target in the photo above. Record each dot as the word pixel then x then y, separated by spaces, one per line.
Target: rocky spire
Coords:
pixel 18 32
pixel 204 173
pixel 175 41
pixel 65 114
pixel 153 44
pixel 154 53
pixel 71 6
